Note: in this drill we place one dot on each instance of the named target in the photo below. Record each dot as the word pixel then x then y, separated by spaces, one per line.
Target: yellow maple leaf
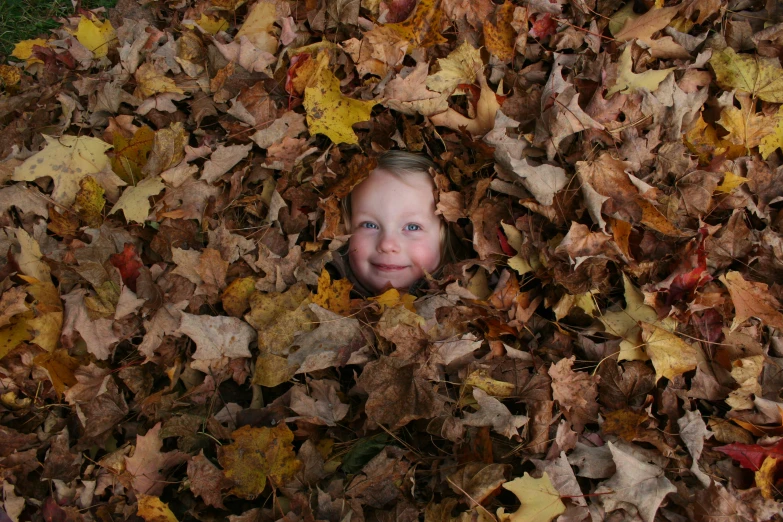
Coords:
pixel 330 112
pixel 134 201
pixel 539 498
pixel 746 127
pixel 629 82
pixel 670 355
pixel 334 296
pixel 392 297
pixel 500 37
pixel 760 76
pixel 460 66
pixel 24 50
pixel 16 332
pixel 258 27
pixel 130 156
pixel 481 379
pixel 150 81
pixel 625 324
pixel 89 202
pixel 153 509
pixel 208 24
pixel 730 182
pixel 422 28
pixel 60 366
pixel 66 160
pixel 774 140
pixel 9 76
pixel 765 477
pixel 97 37
pixel 258 454
pixel 236 296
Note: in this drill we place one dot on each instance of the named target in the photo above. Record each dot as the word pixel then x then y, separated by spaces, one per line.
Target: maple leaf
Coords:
pixel 153 509
pixel 762 77
pixel 330 112
pixel 147 465
pixel 66 160
pixel 637 483
pixel 539 498
pixel 128 263
pixel 493 413
pixel 130 156
pixel 629 82
pixel 752 456
pixel 334 296
pixel 134 201
pixel 670 355
pixel 745 126
pixel 258 454
pixel 751 299
pixel 97 37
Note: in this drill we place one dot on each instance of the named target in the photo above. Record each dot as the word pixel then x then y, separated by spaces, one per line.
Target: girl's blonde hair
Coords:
pixel 401 163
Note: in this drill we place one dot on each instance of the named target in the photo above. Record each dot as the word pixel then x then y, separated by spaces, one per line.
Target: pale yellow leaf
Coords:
pixel 134 201
pixel 629 82
pixel 97 37
pixel 539 498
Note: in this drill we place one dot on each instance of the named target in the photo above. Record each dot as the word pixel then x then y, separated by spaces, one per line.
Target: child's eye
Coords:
pixel 369 225
pixel 412 227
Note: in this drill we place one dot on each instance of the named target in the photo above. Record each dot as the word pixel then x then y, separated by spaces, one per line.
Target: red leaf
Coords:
pixel 128 263
pixel 504 243
pixel 751 456
pixel 544 26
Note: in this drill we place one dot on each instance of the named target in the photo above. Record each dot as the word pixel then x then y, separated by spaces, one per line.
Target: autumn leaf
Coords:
pixel 752 456
pixel 130 156
pixel 629 81
pixel 334 296
pixel 134 201
pixel 760 76
pixel 152 509
pixel 670 355
pixel 330 112
pixel 67 160
pixel 98 37
pixel 258 454
pixel 539 498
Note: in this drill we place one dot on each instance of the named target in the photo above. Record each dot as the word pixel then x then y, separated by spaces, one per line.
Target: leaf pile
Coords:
pixel 173 347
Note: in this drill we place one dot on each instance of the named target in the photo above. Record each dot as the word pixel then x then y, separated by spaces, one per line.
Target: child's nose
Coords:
pixel 389 243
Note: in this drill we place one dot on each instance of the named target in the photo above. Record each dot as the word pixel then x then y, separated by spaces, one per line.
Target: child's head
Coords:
pixel 396 235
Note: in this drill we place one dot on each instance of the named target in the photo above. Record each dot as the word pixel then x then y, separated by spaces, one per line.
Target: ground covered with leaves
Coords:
pixel 609 346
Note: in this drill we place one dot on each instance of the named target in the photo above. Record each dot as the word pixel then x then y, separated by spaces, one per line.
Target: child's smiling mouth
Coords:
pixel 388 268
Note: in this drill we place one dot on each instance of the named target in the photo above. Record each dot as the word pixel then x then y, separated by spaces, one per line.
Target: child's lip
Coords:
pixel 388 268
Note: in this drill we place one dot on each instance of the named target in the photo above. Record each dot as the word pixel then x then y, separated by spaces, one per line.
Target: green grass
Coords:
pixel 25 19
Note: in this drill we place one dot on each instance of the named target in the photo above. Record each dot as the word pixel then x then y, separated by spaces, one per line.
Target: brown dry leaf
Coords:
pixel 148 465
pixel 207 481
pixel 397 395
pixel 751 299
pixel 492 412
pixel 576 392
pixel 636 483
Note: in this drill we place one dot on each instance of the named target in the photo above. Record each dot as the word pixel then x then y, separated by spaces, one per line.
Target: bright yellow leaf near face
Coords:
pixel 97 37
pixel 66 160
pixel 330 112
pixel 539 498
pixel 333 295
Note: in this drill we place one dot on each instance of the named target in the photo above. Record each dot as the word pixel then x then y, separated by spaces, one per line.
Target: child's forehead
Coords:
pixel 412 178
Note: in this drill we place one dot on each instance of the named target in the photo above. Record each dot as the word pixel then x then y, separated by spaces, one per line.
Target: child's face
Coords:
pixel 396 234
